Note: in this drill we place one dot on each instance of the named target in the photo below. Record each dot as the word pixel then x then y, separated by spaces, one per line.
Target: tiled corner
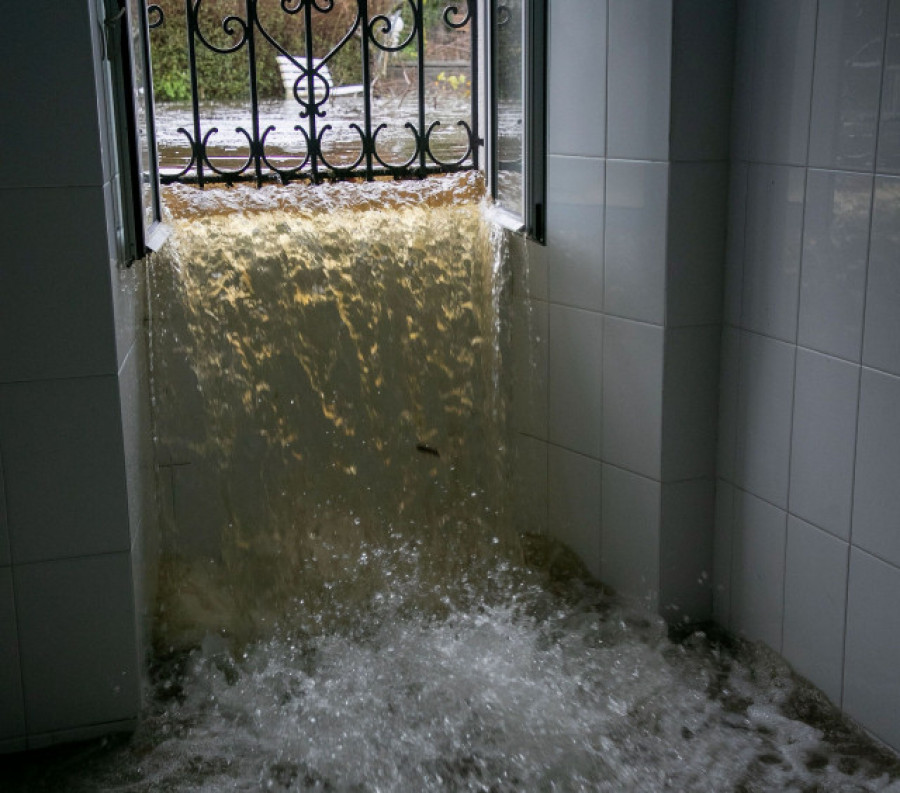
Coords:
pixel 872 655
pixel 698 194
pixel 12 705
pixel 764 417
pixel 772 246
pixel 528 397
pixel 575 199
pixel 64 468
pixel 881 347
pixel 782 81
pixel 530 484
pixel 823 439
pixel 575 378
pixel 39 158
pixel 734 243
pixel 876 499
pixel 574 504
pixel 690 387
pixel 687 533
pixel 888 158
pixel 723 542
pixel 630 538
pixel 56 315
pixel 77 639
pixel 729 379
pixel 814 605
pixel 757 599
pixel 633 396
pixel 634 278
pixel 639 79
pixel 742 87
pixel 833 275
pixel 702 64
pixel 847 84
pixel 576 79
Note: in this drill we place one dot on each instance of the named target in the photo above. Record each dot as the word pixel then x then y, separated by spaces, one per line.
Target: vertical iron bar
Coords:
pixel 474 79
pixel 311 93
pixel 420 31
pixel 195 92
pixel 255 145
pixel 368 143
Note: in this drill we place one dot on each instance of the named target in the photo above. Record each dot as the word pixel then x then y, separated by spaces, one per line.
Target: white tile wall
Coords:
pixel 575 378
pixel 764 417
pixel 575 200
pixel 630 544
pixel 881 347
pixel 4 524
pixel 576 119
pixel 12 706
pixel 734 246
pixel 530 331
pixel 823 440
pixel 814 605
pixel 81 610
pixel 574 504
pixel 876 503
pixel 632 395
pixel 723 544
pixel 64 468
pixel 772 244
pixel 729 380
pixel 833 275
pixel 871 690
pixel 757 578
pixel 530 484
pixel 634 283
pixel 639 79
pixel 847 83
pixel 888 157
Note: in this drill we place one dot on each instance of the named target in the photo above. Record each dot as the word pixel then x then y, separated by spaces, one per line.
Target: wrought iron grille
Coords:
pixel 311 94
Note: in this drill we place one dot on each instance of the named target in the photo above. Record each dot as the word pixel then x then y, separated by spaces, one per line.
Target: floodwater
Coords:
pixel 345 601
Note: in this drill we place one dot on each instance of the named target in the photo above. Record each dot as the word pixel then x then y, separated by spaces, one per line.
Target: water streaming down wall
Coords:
pixel 326 369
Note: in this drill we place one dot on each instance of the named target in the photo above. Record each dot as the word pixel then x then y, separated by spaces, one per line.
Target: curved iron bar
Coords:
pixel 458 163
pixel 155 16
pixel 168 178
pixel 401 166
pixel 227 175
pixel 285 174
pixel 227 26
pixel 342 169
pixel 387 25
pixel 451 11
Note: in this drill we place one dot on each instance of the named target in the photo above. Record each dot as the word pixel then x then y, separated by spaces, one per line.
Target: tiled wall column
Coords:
pixel 619 316
pixel 68 362
pixel 807 542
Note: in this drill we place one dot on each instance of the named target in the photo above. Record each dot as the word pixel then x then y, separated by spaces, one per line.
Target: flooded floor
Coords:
pixel 530 678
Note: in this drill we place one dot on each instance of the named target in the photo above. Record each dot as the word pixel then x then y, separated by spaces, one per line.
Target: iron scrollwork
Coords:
pixel 379 34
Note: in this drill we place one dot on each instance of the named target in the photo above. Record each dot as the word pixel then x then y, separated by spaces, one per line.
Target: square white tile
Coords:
pixel 729 379
pixel 757 598
pixel 78 642
pixel 872 656
pixel 698 200
pixel 576 78
pixel 690 387
pixel 764 417
pixel 12 705
pixel 814 605
pixel 847 83
pixel 881 346
pixel 686 545
pixel 576 378
pixel 833 274
pixel 64 468
pixel 876 497
pixel 772 248
pixel 888 158
pixel 633 396
pixel 734 243
pixel 56 316
pixel 530 342
pixel 574 504
pixel 639 79
pixel 631 536
pixel 634 279
pixel 702 72
pixel 528 265
pixel 823 441
pixel 574 252
pixel 784 42
pixel 723 543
